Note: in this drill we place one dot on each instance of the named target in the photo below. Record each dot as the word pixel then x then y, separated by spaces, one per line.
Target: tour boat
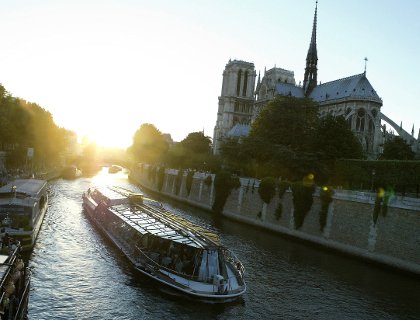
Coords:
pixel 14 283
pixel 114 169
pixel 71 172
pixel 23 204
pixel 166 247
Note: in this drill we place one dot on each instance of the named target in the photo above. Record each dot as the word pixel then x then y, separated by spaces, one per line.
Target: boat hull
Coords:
pixel 169 280
pixel 32 201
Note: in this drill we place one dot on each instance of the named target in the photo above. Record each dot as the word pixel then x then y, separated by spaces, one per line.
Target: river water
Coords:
pixel 78 274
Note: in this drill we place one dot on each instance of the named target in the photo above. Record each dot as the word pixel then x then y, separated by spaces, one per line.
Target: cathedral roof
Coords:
pixel 288 89
pixel 355 87
pixel 239 130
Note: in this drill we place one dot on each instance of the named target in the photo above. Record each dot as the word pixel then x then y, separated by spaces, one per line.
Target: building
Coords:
pixel 352 97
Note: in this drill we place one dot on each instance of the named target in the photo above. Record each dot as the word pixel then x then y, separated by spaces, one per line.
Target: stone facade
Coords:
pixel 392 241
pixel 352 97
pixel 236 99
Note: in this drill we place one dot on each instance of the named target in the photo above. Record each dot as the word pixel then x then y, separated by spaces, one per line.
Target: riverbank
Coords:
pixel 392 241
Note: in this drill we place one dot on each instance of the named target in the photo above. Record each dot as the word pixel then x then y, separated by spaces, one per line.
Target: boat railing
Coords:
pixel 156 266
pixel 23 301
pixel 181 224
pixel 9 262
pixel 231 257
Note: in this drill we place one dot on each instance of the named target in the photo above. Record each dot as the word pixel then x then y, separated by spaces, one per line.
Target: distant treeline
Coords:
pixel 396 175
pixel 26 125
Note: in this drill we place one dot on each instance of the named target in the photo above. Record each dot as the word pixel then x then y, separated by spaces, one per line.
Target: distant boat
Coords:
pixel 114 169
pixel 14 283
pixel 23 204
pixel 166 247
pixel 71 172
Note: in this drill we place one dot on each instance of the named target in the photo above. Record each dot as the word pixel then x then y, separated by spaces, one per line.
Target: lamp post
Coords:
pixel 373 178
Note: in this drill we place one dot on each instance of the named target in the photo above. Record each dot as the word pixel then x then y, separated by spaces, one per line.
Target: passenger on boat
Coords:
pixel 5 241
pixel 166 261
pixel 178 264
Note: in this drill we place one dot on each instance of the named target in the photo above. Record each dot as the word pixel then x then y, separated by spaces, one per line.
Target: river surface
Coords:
pixel 78 274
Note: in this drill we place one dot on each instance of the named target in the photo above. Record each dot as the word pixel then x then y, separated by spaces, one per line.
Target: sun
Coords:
pixel 117 138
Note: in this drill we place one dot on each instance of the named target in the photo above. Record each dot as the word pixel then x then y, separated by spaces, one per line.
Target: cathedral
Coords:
pixel 352 97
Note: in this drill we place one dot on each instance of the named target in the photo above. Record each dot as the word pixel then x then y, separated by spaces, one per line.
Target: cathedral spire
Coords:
pixel 310 78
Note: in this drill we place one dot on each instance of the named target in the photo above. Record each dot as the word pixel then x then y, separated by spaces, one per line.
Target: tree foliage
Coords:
pixel 26 125
pixel 224 183
pixel 193 152
pixel 287 121
pixel 397 149
pixel 282 138
pixel 335 140
pixel 149 144
pixel 267 189
pixel 197 142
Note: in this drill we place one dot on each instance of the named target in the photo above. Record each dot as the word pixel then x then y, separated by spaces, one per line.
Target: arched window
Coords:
pixel 360 121
pixel 371 125
pixel 238 83
pixel 245 83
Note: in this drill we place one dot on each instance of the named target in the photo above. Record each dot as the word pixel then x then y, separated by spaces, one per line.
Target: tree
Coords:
pixel 26 125
pixel 282 137
pixel 397 149
pixel 335 140
pixel 287 121
pixel 193 152
pixel 197 142
pixel 234 155
pixel 149 144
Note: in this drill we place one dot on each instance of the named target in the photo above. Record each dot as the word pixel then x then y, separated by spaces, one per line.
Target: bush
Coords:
pixel 267 189
pixel 224 183
pixel 189 180
pixel 302 201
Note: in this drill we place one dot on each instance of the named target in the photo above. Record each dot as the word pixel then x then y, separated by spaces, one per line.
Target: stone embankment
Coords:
pixel 394 240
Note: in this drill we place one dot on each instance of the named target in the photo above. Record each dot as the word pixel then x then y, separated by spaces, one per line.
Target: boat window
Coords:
pixel 209 265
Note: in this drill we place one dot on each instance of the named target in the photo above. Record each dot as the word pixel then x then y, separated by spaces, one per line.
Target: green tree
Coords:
pixel 287 121
pixel 267 189
pixel 335 140
pixel 197 142
pixel 193 152
pixel 235 157
pixel 282 138
pixel 397 149
pixel 149 144
pixel 24 125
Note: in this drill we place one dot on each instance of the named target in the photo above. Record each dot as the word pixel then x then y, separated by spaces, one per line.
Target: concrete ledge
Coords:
pixel 348 249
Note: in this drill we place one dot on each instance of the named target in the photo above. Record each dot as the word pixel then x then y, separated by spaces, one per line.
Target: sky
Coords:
pixel 104 67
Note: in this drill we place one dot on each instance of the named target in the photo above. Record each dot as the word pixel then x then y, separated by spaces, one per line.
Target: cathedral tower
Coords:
pixel 310 78
pixel 236 99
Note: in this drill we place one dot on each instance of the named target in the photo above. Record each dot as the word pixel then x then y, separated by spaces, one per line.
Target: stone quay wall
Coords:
pixel 393 241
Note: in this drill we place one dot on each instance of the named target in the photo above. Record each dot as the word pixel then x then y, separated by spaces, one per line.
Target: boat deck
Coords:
pixel 162 223
pixel 150 217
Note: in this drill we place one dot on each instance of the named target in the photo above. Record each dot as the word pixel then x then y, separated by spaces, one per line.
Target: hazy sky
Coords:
pixel 102 68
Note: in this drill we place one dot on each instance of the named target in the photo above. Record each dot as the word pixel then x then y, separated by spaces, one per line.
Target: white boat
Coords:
pixel 23 204
pixel 165 247
pixel 114 168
